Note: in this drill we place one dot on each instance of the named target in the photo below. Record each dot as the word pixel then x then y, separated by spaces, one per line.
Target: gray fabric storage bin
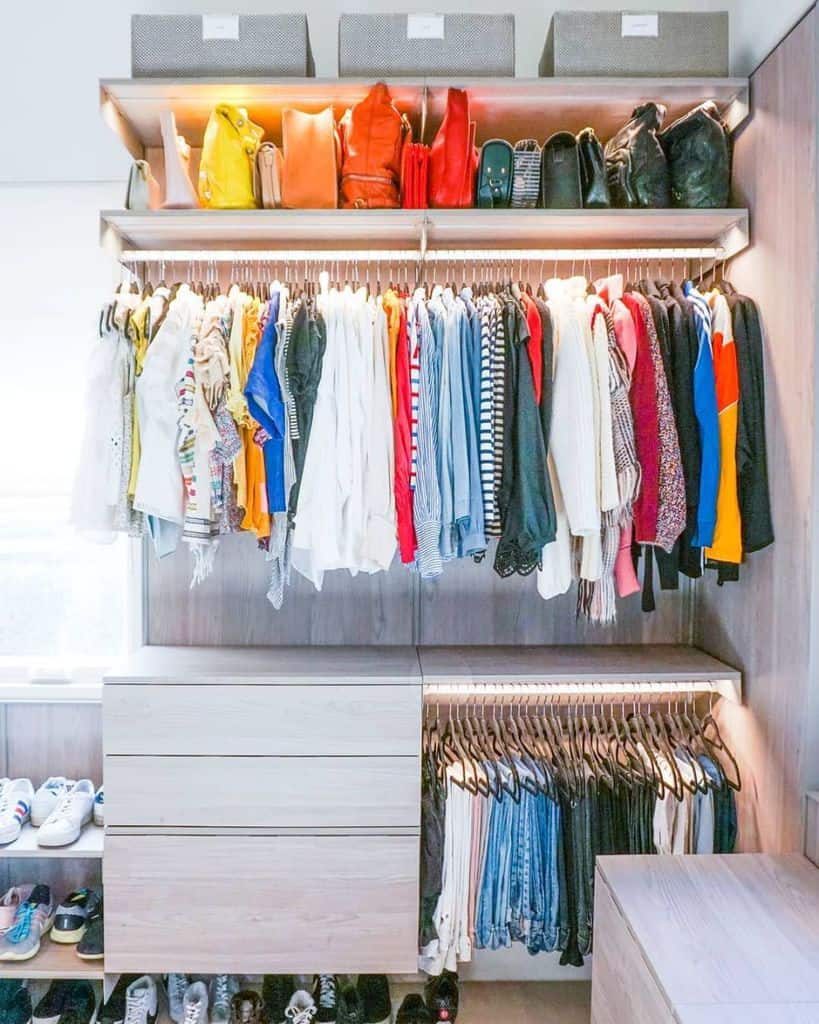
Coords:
pixel 269 46
pixel 591 43
pixel 376 45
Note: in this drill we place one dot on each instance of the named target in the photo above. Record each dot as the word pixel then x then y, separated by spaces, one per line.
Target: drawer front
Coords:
pixel 273 792
pixel 623 988
pixel 237 719
pixel 261 904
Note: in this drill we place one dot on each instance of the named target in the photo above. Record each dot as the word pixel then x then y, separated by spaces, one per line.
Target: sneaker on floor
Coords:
pixel 92 945
pixel 74 810
pixel 223 987
pixel 114 1010
pixel 15 1002
pixel 195 1004
pixel 47 797
pixel 71 916
pixel 141 1001
pixel 15 808
pixel 177 986
pixel 246 1007
pixel 32 920
pixel 325 994
pixel 301 1009
pixel 49 1008
pixel 80 1004
pixel 441 995
pixel 350 1006
pixel 16 895
pixel 374 992
pixel 99 807
pixel 413 1010
pixel 276 992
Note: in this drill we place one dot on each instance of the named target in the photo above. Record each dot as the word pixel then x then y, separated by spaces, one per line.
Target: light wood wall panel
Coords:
pixel 54 739
pixel 765 624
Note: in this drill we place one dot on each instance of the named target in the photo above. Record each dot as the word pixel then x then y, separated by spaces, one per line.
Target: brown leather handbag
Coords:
pixel 373 133
pixel 311 160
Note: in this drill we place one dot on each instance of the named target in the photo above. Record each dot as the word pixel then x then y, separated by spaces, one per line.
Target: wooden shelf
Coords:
pixel 394 229
pixel 53 961
pixel 88 846
pixel 511 108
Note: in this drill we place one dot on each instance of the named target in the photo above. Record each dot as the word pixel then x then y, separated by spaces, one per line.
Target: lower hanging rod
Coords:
pixel 416 256
pixel 590 690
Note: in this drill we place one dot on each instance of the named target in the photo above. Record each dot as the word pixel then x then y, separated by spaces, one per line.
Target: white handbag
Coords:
pixel 143 188
pixel 179 191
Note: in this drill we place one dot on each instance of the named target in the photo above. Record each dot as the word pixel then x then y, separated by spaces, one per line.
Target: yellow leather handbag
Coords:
pixel 228 159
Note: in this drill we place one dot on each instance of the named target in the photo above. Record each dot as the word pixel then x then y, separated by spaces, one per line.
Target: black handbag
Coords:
pixel 636 166
pixel 699 158
pixel 593 182
pixel 560 173
pixel 495 172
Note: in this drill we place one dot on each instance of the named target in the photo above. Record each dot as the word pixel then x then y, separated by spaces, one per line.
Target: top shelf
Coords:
pixel 510 108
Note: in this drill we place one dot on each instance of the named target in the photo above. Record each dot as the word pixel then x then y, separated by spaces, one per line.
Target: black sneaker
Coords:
pixel 71 916
pixel 114 1010
pixel 325 993
pixel 441 996
pixel 350 1007
pixel 48 1010
pixel 92 945
pixel 276 992
pixel 413 1011
pixel 15 1002
pixel 374 990
pixel 80 1004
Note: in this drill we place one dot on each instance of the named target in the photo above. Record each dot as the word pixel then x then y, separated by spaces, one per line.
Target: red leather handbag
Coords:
pixel 415 176
pixel 453 161
pixel 373 134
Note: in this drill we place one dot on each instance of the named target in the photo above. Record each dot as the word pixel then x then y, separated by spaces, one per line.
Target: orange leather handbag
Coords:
pixel 373 133
pixel 311 160
pixel 453 160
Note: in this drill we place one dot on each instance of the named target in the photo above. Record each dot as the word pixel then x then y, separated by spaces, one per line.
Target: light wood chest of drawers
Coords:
pixel 263 810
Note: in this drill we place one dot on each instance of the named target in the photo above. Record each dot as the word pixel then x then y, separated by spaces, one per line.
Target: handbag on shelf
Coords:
pixel 179 191
pixel 142 192
pixel 414 176
pixel 312 154
pixel 495 172
pixel 267 177
pixel 526 176
pixel 228 159
pixel 698 151
pixel 593 182
pixel 560 173
pixel 373 133
pixel 636 165
pixel 453 160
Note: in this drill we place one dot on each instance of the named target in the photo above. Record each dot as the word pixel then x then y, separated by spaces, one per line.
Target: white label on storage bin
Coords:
pixel 640 25
pixel 425 26
pixel 220 26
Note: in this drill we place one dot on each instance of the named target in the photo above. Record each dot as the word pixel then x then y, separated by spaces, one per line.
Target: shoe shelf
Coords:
pixel 53 961
pixel 511 108
pixel 89 846
pixel 442 229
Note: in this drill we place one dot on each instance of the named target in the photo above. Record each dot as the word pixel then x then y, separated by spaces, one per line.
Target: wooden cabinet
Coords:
pixel 263 811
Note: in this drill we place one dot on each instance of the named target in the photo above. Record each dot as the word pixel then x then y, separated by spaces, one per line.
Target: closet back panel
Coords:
pixel 470 604
pixel 763 625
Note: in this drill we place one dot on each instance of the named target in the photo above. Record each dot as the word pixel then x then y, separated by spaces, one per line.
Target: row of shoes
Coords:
pixel 65 1002
pixel 28 913
pixel 59 809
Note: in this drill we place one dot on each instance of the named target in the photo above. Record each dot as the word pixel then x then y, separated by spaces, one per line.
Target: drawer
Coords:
pixel 261 904
pixel 248 792
pixel 279 720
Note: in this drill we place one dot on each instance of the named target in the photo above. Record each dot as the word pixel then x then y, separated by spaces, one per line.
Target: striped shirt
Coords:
pixel 494 527
pixel 414 342
pixel 486 425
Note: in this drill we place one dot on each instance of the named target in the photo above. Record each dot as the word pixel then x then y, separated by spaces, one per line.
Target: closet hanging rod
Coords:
pixel 636 690
pixel 415 255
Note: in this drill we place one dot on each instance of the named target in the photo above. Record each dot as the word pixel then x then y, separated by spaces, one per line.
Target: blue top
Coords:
pixel 707 413
pixel 264 400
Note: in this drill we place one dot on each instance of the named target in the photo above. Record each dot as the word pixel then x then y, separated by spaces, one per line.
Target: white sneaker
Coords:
pixel 47 797
pixel 99 807
pixel 196 1004
pixel 66 821
pixel 177 987
pixel 15 808
pixel 301 1009
pixel 141 1001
